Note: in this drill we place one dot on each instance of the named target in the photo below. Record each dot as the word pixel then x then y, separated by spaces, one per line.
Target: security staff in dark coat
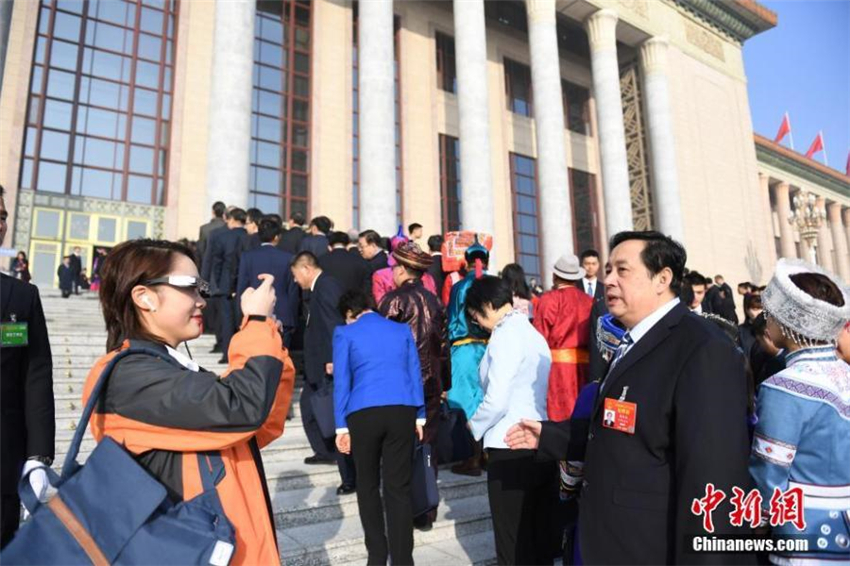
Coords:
pixel 435 245
pixel 27 424
pixel 290 240
pixel 224 253
pixel 217 221
pixel 350 270
pixel 316 240
pixel 677 388
pixel 322 318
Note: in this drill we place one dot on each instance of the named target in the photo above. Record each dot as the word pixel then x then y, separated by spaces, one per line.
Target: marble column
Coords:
pixel 229 145
pixel 601 30
pixel 662 144
pixel 839 240
pixel 783 210
pixel 377 117
pixel 556 216
pixel 824 239
pixel 476 207
pixel 845 214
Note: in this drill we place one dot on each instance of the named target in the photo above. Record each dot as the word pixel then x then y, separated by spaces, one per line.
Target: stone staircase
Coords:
pixel 314 524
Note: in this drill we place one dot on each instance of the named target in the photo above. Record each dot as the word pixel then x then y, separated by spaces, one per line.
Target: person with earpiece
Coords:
pixel 164 408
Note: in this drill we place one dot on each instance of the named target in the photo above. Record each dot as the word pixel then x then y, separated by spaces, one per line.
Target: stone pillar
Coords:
pixel 229 145
pixel 783 210
pixel 377 117
pixel 845 213
pixel 476 207
pixel 601 31
pixel 6 8
pixel 839 240
pixel 556 215
pixel 662 145
pixel 824 243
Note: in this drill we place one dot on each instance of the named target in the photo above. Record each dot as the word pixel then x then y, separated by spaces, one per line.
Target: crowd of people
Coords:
pixel 608 412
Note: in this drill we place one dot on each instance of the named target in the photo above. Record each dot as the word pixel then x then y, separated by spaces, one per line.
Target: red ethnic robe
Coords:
pixel 562 316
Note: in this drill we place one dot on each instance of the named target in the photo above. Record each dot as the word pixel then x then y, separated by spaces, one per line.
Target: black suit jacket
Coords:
pixel 315 244
pixel 271 260
pixel 436 271
pixel 350 270
pixel 688 382
pixel 224 252
pixel 204 234
pixel 76 266
pixel 322 319
pixel 27 424
pixel 290 240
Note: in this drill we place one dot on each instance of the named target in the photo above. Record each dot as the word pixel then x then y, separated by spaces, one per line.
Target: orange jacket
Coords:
pixel 154 409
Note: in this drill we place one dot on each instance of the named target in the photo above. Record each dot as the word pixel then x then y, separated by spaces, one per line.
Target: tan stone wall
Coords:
pixel 13 102
pixel 186 207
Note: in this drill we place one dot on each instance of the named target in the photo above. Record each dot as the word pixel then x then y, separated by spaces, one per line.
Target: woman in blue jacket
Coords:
pixel 379 401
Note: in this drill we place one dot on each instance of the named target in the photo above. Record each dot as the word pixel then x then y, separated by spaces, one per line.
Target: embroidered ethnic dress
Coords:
pixel 802 440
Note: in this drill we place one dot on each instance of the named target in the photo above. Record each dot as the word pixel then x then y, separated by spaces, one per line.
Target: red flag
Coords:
pixel 847 167
pixel 816 146
pixel 784 129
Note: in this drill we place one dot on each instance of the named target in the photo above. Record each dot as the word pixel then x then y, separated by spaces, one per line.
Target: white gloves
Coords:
pixel 38 481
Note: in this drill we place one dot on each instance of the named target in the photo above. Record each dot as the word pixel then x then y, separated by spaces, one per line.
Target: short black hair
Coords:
pixel 371 237
pixel 753 301
pixel 239 215
pixel 488 290
pixel 337 238
pixel 305 258
pixel 659 252
pixel 413 227
pixel 588 253
pixel 268 229
pixel 356 301
pixel 746 284
pixel 694 278
pixel 435 243
pixel 759 325
pixel 255 215
pixel 218 209
pixel 708 281
pixel 322 223
pixel 296 218
pixel 275 217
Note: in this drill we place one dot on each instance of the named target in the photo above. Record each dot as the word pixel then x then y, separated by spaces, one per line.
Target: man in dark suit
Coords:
pixel 269 259
pixel 252 227
pixel 435 247
pixel 217 221
pixel 224 251
pixel 322 318
pixel 290 240
pixel 27 425
pixel 678 388
pixel 590 284
pixel 316 240
pixel 370 245
pixel 350 270
pixel 76 268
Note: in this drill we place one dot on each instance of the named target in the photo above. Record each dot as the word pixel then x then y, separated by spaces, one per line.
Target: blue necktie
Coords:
pixel 589 289
pixel 625 342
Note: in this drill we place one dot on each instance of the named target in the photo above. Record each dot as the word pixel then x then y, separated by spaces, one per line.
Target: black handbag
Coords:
pixel 454 441
pixel 423 481
pixel 322 403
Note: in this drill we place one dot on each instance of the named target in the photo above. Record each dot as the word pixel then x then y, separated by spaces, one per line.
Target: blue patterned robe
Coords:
pixel 469 342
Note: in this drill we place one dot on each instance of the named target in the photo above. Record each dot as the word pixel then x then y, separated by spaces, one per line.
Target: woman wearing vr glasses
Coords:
pixel 164 408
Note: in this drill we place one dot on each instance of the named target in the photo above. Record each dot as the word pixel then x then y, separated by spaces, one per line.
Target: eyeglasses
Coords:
pixel 182 282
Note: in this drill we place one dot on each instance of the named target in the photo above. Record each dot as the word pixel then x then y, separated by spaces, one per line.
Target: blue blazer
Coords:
pixel 269 259
pixel 376 364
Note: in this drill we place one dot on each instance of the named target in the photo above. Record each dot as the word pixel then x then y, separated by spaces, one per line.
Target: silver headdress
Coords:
pixel 801 317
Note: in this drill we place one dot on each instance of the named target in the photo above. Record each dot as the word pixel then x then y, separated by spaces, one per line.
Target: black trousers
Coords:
pixel 324 447
pixel 523 500
pixel 227 320
pixel 10 516
pixel 382 441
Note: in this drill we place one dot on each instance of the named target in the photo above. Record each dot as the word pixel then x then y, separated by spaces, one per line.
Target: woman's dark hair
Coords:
pixel 127 265
pixel 752 301
pixel 515 276
pixel 488 290
pixel 819 287
pixel 355 301
pixel 660 251
pixel 23 253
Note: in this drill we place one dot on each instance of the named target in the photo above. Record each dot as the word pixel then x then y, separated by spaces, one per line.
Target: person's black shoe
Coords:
pixel 345 489
pixel 423 523
pixel 223 360
pixel 316 459
pixel 216 349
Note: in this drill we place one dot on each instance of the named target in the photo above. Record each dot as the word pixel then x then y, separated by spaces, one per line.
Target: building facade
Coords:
pixel 551 124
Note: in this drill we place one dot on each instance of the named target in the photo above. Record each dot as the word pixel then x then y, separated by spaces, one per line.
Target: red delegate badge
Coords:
pixel 619 415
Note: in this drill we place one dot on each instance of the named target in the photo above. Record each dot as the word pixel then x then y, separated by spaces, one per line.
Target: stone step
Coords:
pixel 477 549
pixel 333 542
pixel 314 505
